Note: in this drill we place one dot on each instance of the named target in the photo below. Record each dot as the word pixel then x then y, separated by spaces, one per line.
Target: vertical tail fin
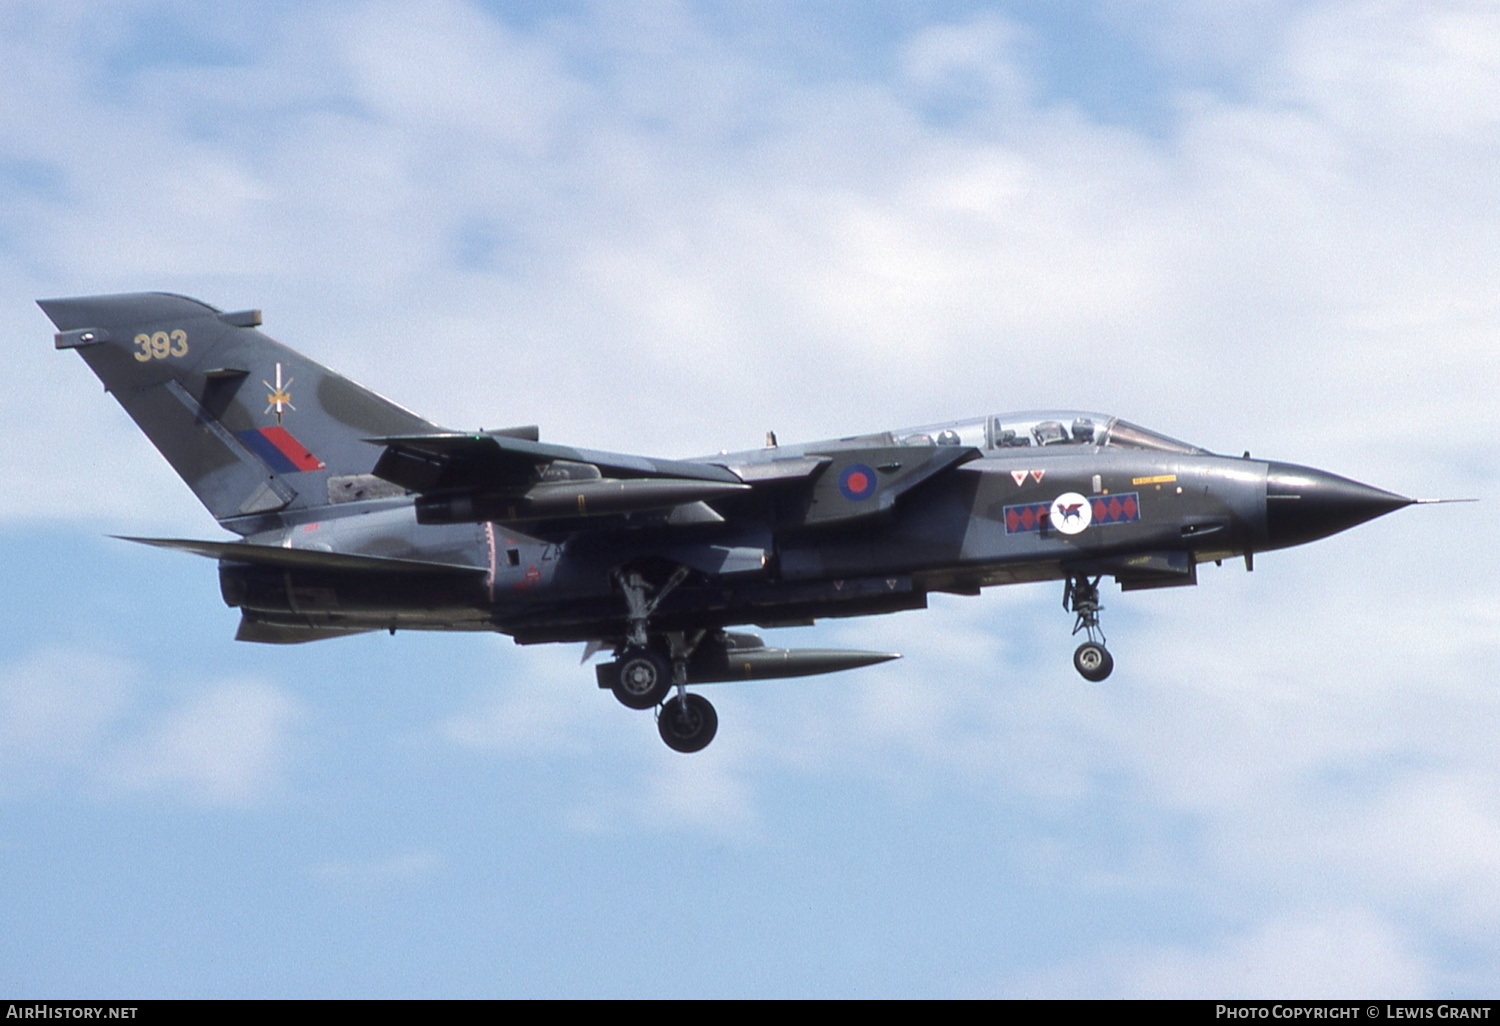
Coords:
pixel 252 426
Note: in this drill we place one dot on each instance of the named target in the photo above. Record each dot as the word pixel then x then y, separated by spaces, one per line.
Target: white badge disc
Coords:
pixel 1070 513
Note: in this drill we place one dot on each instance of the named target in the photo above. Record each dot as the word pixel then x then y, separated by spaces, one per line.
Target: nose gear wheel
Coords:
pixel 1081 597
pixel 1093 661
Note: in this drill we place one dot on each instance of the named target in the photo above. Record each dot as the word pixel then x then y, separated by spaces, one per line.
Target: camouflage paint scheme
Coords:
pixel 355 514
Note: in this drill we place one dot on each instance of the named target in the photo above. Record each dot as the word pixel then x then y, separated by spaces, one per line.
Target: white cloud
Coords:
pixel 1309 955
pixel 535 708
pixel 82 721
pixel 1401 68
pixel 228 745
pixel 1439 835
pixel 446 68
pixel 976 62
pixel 713 792
pixel 57 709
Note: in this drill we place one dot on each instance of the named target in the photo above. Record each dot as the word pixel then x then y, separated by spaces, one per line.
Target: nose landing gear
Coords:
pixel 1081 596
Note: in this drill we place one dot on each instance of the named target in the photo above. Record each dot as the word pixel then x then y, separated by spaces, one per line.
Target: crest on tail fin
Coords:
pixel 191 377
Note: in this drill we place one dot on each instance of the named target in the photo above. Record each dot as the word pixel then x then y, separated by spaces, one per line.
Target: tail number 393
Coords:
pixel 160 345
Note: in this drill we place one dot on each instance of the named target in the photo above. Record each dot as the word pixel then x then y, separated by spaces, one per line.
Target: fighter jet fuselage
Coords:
pixel 354 514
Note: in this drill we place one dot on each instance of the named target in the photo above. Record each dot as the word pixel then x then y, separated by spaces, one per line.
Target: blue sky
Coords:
pixel 666 228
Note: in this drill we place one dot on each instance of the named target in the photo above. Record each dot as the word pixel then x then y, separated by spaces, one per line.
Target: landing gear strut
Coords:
pixel 642 676
pixel 649 666
pixel 1081 596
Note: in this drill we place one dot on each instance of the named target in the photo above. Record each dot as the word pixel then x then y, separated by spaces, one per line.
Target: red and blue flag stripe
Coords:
pixel 280 451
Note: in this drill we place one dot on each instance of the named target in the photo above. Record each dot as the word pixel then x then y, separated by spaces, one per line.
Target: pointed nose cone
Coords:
pixel 1303 504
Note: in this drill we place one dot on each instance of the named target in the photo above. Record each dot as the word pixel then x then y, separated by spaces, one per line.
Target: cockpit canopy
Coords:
pixel 1042 429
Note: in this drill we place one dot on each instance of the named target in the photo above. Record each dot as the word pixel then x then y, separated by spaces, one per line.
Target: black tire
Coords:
pixel 687 725
pixel 640 678
pixel 1093 661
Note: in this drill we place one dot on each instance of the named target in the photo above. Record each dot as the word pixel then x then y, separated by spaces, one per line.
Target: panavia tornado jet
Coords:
pixel 355 514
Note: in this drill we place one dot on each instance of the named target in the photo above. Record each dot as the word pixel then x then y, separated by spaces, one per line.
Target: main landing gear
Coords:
pixel 1081 596
pixel 640 678
pixel 649 666
pixel 687 723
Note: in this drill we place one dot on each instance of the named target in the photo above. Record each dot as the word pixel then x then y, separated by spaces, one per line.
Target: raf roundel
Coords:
pixel 857 482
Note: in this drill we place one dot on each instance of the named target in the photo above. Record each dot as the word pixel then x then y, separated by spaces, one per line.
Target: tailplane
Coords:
pixel 252 426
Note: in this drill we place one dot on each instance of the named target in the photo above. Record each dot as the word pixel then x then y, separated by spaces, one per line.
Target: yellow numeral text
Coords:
pixel 160 344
